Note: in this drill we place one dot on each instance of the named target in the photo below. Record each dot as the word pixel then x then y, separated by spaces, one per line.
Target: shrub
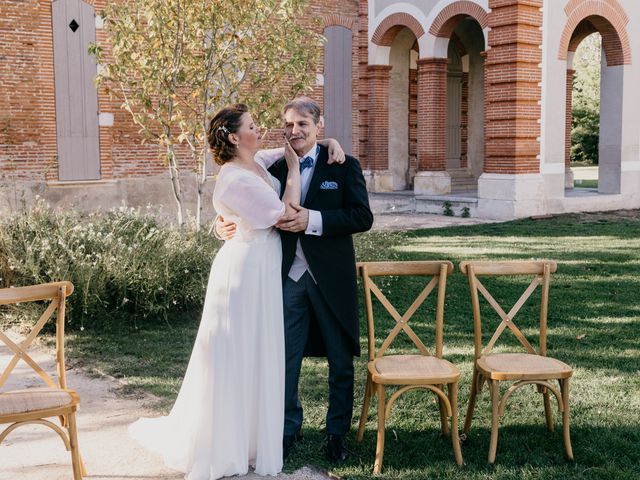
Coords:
pixel 128 268
pixel 447 210
pixel 125 265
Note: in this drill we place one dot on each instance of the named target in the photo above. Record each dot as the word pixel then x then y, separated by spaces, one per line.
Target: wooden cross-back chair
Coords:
pixel 421 370
pixel 36 405
pixel 532 367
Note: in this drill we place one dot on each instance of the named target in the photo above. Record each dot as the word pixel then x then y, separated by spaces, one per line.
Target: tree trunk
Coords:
pixel 176 186
pixel 201 178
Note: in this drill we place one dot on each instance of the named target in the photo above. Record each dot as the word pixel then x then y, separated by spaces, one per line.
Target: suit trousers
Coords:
pixel 302 302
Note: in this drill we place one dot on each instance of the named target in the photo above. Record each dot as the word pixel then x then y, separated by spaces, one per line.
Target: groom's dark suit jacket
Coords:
pixel 339 193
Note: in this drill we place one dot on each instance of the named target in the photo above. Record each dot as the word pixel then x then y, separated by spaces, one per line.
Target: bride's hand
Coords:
pixel 293 161
pixel 336 153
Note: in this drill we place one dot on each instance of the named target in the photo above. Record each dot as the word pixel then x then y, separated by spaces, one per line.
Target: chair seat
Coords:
pixel 34 399
pixel 412 369
pixel 522 366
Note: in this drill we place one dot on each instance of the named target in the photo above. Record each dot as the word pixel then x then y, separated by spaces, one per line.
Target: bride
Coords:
pixel 229 414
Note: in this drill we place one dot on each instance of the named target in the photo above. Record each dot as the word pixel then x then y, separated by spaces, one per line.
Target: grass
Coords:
pixel 585 183
pixel 594 322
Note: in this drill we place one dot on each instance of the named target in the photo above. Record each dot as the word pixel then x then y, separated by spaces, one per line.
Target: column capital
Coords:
pixel 379 68
pixel 432 61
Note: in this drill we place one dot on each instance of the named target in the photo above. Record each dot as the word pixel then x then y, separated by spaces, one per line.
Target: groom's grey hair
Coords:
pixel 304 105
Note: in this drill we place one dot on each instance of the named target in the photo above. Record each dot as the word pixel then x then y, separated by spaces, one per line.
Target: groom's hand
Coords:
pixel 296 221
pixel 225 230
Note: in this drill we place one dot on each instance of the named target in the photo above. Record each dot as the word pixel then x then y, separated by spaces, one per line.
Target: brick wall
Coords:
pixel 464 121
pixel 567 122
pixel 413 117
pixel 28 146
pixel 378 117
pixel 345 13
pixel 362 91
pixel 512 82
pixel 27 101
pixel 432 113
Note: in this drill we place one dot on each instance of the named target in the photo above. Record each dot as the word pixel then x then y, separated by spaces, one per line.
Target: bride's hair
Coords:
pixel 225 122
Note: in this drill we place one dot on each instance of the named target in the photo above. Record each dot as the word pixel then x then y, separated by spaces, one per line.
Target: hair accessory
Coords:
pixel 224 129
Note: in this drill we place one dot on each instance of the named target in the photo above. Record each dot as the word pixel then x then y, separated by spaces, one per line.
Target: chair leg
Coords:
pixel 455 440
pixel 495 419
pixel 377 466
pixel 472 401
pixel 564 385
pixel 366 404
pixel 75 452
pixel 83 469
pixel 548 412
pixel 444 424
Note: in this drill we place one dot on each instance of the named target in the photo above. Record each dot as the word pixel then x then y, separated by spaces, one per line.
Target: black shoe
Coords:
pixel 336 451
pixel 289 442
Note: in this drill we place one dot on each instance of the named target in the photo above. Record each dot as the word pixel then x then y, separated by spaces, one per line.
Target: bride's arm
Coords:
pixel 269 157
pixel 292 190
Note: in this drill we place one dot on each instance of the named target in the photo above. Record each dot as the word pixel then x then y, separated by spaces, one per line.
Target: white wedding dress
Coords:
pixel 229 414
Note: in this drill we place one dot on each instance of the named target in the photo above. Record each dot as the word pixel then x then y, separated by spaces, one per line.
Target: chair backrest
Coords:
pixel 56 293
pixel 436 270
pixel 541 271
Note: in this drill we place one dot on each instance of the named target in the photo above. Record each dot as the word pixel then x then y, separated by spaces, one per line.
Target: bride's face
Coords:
pixel 248 134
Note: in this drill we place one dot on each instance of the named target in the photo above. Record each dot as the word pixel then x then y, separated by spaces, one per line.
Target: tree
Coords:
pixel 173 63
pixel 585 102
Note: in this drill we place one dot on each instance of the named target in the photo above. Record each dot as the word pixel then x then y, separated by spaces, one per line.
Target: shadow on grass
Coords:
pixel 524 451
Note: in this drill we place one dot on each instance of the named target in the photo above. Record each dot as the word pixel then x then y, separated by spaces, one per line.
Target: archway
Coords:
pixel 392 92
pixel 464 137
pixel 611 100
pixel 402 97
pixel 450 103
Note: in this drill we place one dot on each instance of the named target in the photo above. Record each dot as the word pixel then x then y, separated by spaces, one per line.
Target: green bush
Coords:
pixel 128 269
pixel 585 135
pixel 125 265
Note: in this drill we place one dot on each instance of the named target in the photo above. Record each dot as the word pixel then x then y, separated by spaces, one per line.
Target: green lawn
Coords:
pixel 594 321
pixel 586 183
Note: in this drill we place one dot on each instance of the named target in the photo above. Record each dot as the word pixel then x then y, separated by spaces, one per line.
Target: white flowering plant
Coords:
pixel 125 264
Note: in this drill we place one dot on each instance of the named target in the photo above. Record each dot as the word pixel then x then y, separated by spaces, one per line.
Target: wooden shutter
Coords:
pixel 337 86
pixel 76 95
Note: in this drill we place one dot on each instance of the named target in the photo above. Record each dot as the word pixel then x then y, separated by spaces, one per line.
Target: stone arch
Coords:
pixel 449 17
pixel 336 20
pixel 390 26
pixel 606 17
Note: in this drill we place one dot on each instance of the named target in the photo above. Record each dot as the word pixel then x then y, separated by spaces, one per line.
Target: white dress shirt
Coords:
pixel 314 226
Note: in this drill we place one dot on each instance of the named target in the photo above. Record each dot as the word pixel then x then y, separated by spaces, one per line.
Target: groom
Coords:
pixel 319 274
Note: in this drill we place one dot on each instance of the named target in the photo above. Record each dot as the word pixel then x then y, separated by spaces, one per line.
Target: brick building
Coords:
pixel 433 97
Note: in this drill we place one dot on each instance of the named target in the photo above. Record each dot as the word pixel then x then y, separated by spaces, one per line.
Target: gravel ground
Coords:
pixel 35 452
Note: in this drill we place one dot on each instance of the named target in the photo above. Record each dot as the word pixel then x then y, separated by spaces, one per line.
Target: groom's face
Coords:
pixel 301 130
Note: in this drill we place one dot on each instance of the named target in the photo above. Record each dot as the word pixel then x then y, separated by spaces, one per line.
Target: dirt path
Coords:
pixel 36 453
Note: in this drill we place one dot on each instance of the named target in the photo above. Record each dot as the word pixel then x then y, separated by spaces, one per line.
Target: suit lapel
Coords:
pixel 280 171
pixel 318 175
